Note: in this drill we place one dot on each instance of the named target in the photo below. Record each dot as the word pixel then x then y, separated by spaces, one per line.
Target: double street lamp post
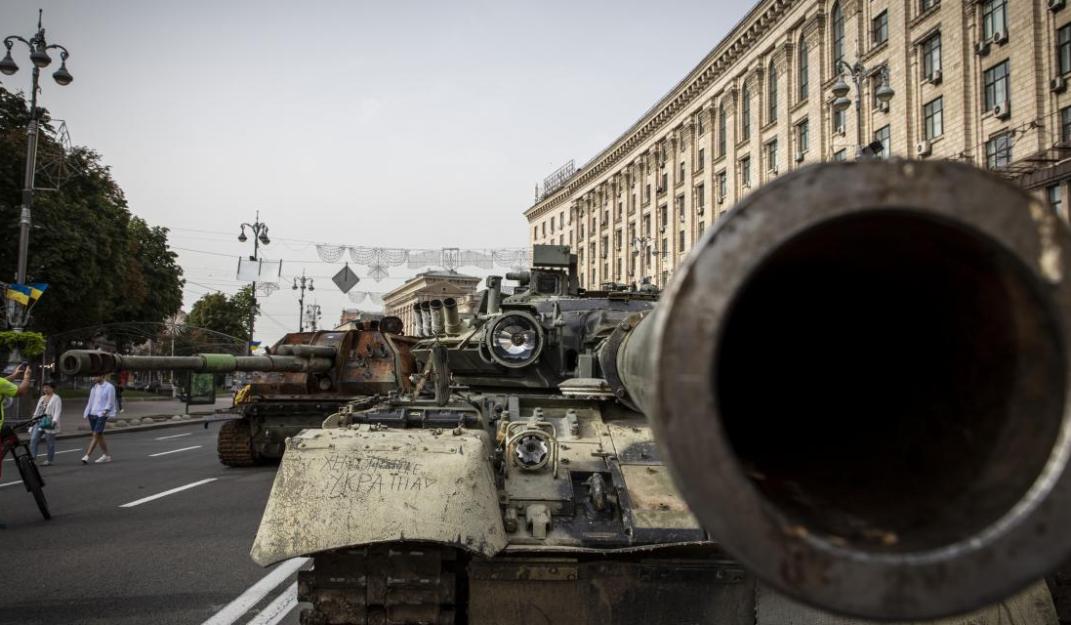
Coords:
pixel 858 72
pixel 40 59
pixel 260 235
pixel 304 283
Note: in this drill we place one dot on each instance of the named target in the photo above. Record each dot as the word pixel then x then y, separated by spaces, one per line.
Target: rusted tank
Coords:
pixel 304 378
pixel 849 404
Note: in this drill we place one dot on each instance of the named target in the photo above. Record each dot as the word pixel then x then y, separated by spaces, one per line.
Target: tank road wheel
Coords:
pixel 385 585
pixel 235 444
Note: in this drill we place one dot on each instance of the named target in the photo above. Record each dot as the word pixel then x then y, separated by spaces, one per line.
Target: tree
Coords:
pixel 101 263
pixel 227 315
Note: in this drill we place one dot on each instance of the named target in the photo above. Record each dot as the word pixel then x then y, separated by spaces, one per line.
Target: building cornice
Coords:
pixel 743 37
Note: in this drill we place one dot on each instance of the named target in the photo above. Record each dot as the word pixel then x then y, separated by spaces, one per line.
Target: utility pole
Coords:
pixel 39 57
pixel 301 298
pixel 260 235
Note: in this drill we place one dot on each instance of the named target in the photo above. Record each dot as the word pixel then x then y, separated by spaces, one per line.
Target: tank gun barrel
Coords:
pixel 93 362
pixel 859 380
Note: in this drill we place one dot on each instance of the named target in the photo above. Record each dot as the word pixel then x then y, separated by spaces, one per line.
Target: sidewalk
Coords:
pixel 136 413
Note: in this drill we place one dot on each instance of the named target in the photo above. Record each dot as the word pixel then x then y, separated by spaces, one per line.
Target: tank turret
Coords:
pixel 851 393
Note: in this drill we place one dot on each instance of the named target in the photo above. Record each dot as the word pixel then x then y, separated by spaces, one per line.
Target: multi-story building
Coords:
pixel 983 81
pixel 427 286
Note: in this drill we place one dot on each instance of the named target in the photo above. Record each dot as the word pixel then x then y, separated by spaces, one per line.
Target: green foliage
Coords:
pixel 228 315
pixel 29 344
pixel 101 263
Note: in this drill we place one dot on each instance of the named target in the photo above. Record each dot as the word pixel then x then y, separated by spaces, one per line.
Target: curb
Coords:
pixel 165 421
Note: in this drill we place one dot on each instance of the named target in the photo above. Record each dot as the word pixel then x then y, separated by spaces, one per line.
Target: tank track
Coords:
pixel 235 444
pixel 382 585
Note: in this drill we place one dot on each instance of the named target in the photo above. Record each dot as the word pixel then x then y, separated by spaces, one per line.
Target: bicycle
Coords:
pixel 20 451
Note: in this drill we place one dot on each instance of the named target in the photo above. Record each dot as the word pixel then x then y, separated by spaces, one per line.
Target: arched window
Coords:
pixel 804 79
pixel 838 36
pixel 721 129
pixel 771 94
pixel 745 113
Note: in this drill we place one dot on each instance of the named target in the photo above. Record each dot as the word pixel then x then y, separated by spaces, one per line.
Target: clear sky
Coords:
pixel 393 124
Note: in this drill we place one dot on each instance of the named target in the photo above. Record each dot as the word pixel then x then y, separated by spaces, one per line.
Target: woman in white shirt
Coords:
pixel 50 404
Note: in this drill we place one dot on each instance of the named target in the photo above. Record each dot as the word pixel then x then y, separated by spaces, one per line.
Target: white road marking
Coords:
pixel 10 483
pixel 65 451
pixel 164 438
pixel 236 609
pixel 278 608
pixel 174 451
pixel 167 492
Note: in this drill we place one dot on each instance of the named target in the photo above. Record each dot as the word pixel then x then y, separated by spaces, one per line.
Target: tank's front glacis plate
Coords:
pixel 342 487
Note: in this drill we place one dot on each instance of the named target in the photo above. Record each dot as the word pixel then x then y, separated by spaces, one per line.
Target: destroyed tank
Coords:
pixel 849 403
pixel 304 378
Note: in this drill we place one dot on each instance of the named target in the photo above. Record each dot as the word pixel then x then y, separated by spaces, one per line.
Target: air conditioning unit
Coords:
pixel 1000 36
pixel 1058 84
pixel 840 132
pixel 1002 111
pixel 883 107
pixel 721 199
pixel 682 217
pixel 1056 5
pixel 981 48
pixel 935 77
pixel 800 156
pixel 699 210
pixel 662 228
pixel 923 148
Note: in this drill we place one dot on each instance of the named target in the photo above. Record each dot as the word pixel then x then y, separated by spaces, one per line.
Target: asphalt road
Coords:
pixel 178 558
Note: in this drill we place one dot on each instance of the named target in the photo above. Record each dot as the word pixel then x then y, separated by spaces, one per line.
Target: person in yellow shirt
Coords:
pixel 8 388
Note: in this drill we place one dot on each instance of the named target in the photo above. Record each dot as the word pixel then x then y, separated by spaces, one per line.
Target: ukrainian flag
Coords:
pixel 19 293
pixel 37 290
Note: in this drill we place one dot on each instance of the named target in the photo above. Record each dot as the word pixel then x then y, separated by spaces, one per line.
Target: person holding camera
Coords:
pixel 48 408
pixel 8 388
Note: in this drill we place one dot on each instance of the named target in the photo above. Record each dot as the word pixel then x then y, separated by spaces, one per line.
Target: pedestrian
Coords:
pixel 9 390
pixel 119 393
pixel 100 406
pixel 49 406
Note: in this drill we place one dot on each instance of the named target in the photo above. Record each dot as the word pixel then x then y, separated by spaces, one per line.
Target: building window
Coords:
pixel 745 114
pixel 803 137
pixel 663 214
pixel 700 197
pixel 933 119
pixel 699 129
pixel 745 172
pixel 998 151
pixel 544 228
pixel 665 181
pixel 646 194
pixel 1055 198
pixel 1063 49
pixel 680 241
pixel 679 202
pixel 535 232
pixel 552 224
pixel 804 77
pixel 839 122
pixel 996 86
pixel 722 126
pixel 838 36
pixel 931 56
pixel 700 159
pixel 771 94
pixel 771 156
pixel 1065 124
pixel 646 225
pixel 680 177
pixel 994 18
pixel 840 155
pixel 883 135
pixel 926 5
pixel 723 186
pixel 879 29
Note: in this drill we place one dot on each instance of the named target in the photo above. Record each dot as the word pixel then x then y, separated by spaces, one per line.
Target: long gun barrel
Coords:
pixel 92 362
pixel 860 381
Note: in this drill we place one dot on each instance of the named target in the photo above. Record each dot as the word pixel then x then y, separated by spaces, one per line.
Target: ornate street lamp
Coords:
pixel 260 236
pixel 303 281
pixel 40 59
pixel 841 102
